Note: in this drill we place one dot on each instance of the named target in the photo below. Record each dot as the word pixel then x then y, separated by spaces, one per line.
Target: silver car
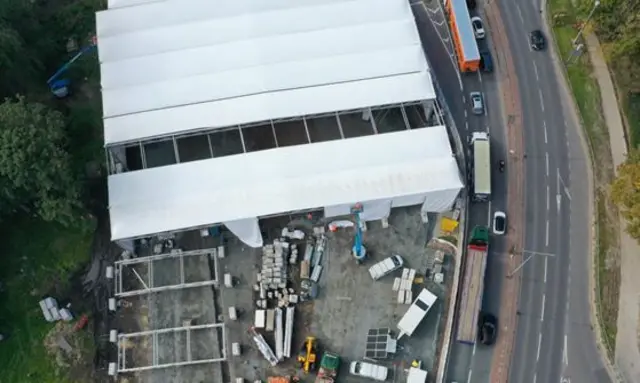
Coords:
pixel 477 104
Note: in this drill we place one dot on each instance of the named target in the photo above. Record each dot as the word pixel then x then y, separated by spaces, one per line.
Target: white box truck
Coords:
pixel 416 313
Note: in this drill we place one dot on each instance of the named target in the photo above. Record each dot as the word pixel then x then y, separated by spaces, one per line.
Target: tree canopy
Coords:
pixel 35 171
pixel 625 192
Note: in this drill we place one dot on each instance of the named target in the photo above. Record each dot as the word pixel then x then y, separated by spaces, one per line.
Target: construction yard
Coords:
pixel 348 303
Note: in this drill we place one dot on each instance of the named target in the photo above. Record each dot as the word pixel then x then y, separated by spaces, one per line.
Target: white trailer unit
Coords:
pixel 385 267
pixel 416 375
pixel 481 166
pixel 416 313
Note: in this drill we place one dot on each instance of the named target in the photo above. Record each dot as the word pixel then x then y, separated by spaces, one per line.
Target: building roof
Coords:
pixel 274 181
pixel 468 41
pixel 172 67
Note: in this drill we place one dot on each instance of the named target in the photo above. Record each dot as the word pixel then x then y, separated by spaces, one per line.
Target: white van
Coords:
pixel 369 370
pixel 386 267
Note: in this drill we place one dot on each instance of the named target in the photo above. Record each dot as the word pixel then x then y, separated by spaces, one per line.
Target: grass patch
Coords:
pixel 38 259
pixel 631 104
pixel 587 95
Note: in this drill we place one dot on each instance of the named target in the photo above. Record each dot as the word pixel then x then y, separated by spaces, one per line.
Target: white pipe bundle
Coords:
pixel 279 335
pixel 288 332
pixel 264 348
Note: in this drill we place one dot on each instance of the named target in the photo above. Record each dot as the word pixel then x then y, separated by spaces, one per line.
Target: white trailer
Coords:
pixel 416 313
pixel 481 166
pixel 416 375
pixel 386 267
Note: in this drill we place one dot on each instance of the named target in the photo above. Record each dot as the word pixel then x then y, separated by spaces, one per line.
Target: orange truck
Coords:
pixel 464 41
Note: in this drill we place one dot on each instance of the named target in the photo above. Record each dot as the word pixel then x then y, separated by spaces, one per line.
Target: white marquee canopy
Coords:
pixel 171 67
pixel 399 169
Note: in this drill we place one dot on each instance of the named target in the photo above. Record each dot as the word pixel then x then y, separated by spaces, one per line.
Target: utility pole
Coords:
pixel 530 255
pixel 577 48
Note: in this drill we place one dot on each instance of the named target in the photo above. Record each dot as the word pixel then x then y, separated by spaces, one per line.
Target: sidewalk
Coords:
pixel 627 352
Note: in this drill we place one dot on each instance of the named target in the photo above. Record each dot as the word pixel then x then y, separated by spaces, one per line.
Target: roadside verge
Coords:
pixel 560 20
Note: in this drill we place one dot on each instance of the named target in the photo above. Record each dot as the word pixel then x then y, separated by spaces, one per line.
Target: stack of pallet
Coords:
pixel 403 286
pixel 273 274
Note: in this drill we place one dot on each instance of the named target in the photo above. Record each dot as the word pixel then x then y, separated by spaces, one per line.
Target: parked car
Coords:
pixel 471 4
pixel 486 62
pixel 488 329
pixel 537 40
pixel 477 104
pixel 386 267
pixel 478 27
pixel 499 223
pixel 369 370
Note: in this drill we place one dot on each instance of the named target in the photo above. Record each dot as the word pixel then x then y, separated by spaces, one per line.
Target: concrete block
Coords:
pixel 396 284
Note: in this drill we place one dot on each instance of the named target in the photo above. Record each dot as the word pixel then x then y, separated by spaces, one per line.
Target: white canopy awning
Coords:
pixel 172 67
pixel 371 168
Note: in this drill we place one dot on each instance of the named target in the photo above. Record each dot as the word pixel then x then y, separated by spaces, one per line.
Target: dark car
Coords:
pixel 471 4
pixel 486 62
pixel 537 40
pixel 488 330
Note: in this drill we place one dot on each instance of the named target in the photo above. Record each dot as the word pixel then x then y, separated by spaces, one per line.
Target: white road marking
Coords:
pixel 541 99
pixel 469 377
pixel 547 197
pixel 565 356
pixel 539 344
pixel 520 14
pixel 546 163
pixel 535 69
pixel 534 378
pixel 545 269
pixel 479 77
pixel 473 352
pixel 466 126
pixel 466 114
pixel 543 302
pixel 544 125
pixel 546 235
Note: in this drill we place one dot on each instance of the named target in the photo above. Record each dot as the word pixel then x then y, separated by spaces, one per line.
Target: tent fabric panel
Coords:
pixel 276 181
pixel 247 230
pixel 267 27
pixel 279 77
pixel 269 106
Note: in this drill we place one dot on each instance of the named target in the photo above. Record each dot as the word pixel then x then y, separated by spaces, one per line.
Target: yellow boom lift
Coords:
pixel 307 356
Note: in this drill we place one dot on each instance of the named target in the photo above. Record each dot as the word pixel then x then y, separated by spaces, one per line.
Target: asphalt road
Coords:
pixel 469 363
pixel 555 341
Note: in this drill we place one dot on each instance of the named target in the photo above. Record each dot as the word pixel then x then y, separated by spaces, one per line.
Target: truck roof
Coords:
pixel 481 167
pixel 416 375
pixel 416 312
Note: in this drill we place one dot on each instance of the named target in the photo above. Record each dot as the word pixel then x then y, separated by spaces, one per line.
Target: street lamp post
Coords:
pixel 530 255
pixel 595 5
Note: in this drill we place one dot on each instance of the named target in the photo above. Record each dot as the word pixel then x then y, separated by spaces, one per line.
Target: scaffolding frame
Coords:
pixel 149 286
pixel 122 349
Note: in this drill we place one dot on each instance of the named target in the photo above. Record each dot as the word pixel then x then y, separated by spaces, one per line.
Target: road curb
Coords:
pixel 560 67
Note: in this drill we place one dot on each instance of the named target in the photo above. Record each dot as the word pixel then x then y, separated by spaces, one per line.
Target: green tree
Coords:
pixel 35 171
pixel 625 192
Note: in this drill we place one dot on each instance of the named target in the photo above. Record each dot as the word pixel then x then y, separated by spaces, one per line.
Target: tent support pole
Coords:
pixel 339 125
pixel 244 146
pixel 273 132
pixel 210 146
pixel 175 149
pixel 143 155
pixel 404 117
pixel 306 128
pixel 372 121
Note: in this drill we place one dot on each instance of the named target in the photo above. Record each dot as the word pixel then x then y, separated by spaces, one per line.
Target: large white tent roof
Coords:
pixel 170 67
pixel 280 180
